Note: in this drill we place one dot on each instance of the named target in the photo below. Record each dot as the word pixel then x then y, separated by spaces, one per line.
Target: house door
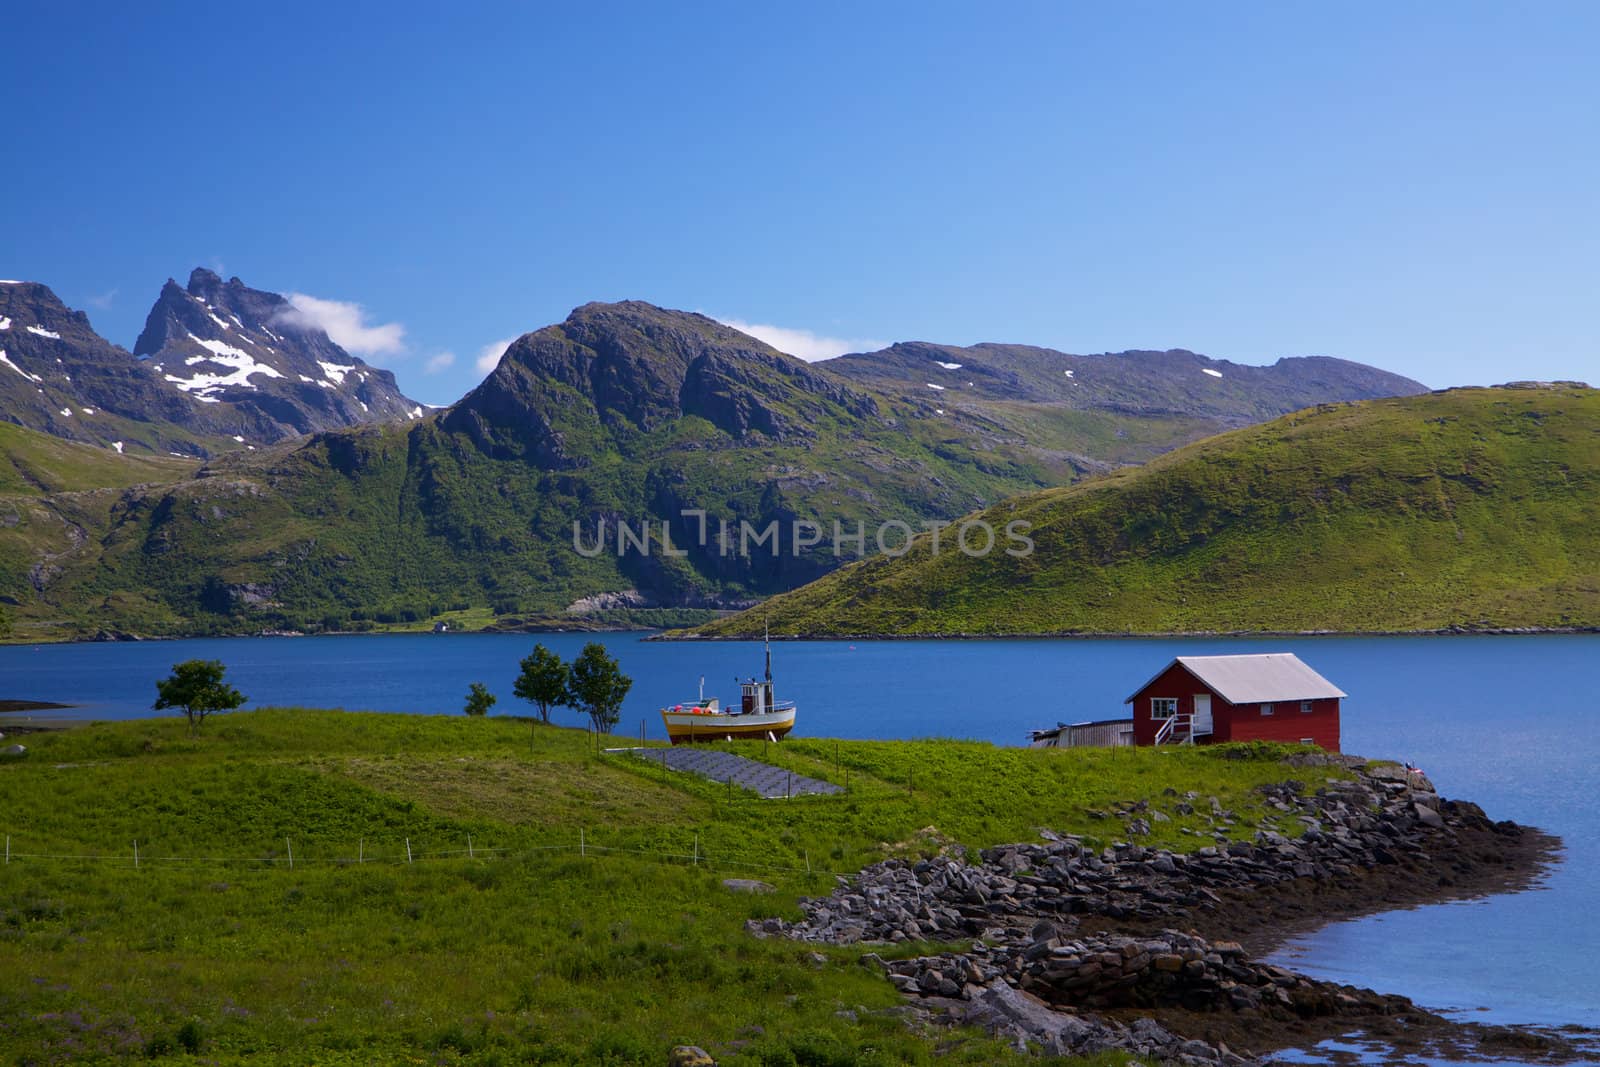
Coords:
pixel 1202 714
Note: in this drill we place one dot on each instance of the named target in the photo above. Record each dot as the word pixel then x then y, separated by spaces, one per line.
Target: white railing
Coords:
pixel 1169 730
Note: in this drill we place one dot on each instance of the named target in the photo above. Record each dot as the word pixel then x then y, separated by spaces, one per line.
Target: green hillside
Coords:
pixel 1470 508
pixel 32 462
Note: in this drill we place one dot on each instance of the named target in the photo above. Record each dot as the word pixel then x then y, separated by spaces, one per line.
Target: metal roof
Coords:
pixel 1254 679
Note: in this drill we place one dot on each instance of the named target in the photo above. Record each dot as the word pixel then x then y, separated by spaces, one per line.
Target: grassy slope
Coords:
pixel 531 956
pixel 1476 507
pixel 396 524
pixel 32 462
pixel 54 494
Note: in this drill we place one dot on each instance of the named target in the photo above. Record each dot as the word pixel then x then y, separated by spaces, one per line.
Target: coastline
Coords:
pixel 1146 635
pixel 683 636
pixel 1143 950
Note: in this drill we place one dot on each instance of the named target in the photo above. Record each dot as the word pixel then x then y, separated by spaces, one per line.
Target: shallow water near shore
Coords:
pixel 1503 721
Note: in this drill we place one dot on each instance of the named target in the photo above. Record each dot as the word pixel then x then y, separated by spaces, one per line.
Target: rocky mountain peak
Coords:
pixel 59 376
pixel 637 366
pixel 224 343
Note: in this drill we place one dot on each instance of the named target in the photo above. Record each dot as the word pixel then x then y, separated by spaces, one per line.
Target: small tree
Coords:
pixel 196 686
pixel 544 682
pixel 598 686
pixel 479 699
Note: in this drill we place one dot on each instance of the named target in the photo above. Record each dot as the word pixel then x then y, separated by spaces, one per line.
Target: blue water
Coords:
pixel 1509 722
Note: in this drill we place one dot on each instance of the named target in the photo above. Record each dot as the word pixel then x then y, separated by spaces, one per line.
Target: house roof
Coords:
pixel 1254 679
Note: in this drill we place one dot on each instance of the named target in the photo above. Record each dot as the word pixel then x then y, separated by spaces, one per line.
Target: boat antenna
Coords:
pixel 766 636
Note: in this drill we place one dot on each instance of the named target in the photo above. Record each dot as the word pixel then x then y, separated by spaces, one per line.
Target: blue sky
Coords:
pixel 1415 185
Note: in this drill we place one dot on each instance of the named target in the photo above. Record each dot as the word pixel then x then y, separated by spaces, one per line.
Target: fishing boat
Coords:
pixel 759 717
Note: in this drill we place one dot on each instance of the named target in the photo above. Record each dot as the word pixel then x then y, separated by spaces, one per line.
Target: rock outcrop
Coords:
pixel 1064 931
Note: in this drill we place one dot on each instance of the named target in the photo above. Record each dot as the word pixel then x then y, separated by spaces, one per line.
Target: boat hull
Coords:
pixel 685 727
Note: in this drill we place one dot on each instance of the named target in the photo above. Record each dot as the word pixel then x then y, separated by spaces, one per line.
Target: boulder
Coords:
pixel 746 885
pixel 14 750
pixel 1428 817
pixel 690 1056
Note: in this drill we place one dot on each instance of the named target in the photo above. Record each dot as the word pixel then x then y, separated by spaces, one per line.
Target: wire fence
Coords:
pixel 405 854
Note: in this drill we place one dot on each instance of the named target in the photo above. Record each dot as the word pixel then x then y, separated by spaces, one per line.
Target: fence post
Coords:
pixel 289 847
pixel 697 850
pixel 808 861
pixel 469 847
pixel 788 786
pixel 361 851
pixel 582 851
pixel 8 849
pixel 408 850
pixel 136 855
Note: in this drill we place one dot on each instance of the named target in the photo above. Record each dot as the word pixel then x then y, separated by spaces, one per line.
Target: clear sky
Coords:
pixel 1415 185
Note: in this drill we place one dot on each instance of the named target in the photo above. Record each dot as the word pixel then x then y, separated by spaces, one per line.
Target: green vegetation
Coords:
pixel 597 686
pixel 196 688
pixel 545 681
pixel 32 462
pixel 500 942
pixel 1474 508
pixel 479 700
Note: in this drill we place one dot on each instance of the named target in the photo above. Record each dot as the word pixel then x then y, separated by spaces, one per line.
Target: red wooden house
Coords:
pixel 1206 699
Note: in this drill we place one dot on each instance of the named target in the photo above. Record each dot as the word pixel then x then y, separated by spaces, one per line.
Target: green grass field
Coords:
pixel 215 949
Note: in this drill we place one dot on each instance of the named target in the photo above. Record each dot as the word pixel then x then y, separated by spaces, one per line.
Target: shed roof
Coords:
pixel 1254 679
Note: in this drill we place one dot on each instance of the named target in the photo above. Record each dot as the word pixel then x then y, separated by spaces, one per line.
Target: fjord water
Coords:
pixel 1508 722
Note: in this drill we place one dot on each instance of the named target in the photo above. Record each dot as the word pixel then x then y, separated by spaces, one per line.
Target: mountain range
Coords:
pixel 668 423
pixel 219 366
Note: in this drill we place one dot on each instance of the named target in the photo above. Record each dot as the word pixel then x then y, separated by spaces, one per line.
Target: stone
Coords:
pixel 746 885
pixel 690 1056
pixel 14 750
pixel 1428 817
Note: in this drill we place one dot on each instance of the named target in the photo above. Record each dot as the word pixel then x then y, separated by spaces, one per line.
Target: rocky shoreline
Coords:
pixel 1071 949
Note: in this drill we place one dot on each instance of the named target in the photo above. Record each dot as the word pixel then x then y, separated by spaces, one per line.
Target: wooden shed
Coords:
pixel 1209 699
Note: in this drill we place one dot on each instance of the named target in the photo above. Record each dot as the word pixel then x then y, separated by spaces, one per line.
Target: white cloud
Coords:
pixel 438 363
pixel 802 344
pixel 347 324
pixel 489 355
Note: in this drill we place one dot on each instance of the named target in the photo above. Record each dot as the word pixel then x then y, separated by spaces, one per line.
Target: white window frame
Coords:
pixel 1307 707
pixel 1158 704
pixel 1308 740
pixel 1266 709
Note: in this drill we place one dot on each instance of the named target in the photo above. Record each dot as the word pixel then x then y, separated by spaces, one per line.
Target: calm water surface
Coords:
pixel 1509 722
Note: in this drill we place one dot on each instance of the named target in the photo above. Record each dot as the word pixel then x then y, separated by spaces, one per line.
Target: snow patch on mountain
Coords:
pixel 7 361
pixel 241 362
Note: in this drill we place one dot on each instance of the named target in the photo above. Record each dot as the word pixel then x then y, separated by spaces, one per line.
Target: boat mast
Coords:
pixel 766 636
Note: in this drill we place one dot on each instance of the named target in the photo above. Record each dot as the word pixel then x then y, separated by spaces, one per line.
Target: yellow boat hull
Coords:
pixel 685 727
